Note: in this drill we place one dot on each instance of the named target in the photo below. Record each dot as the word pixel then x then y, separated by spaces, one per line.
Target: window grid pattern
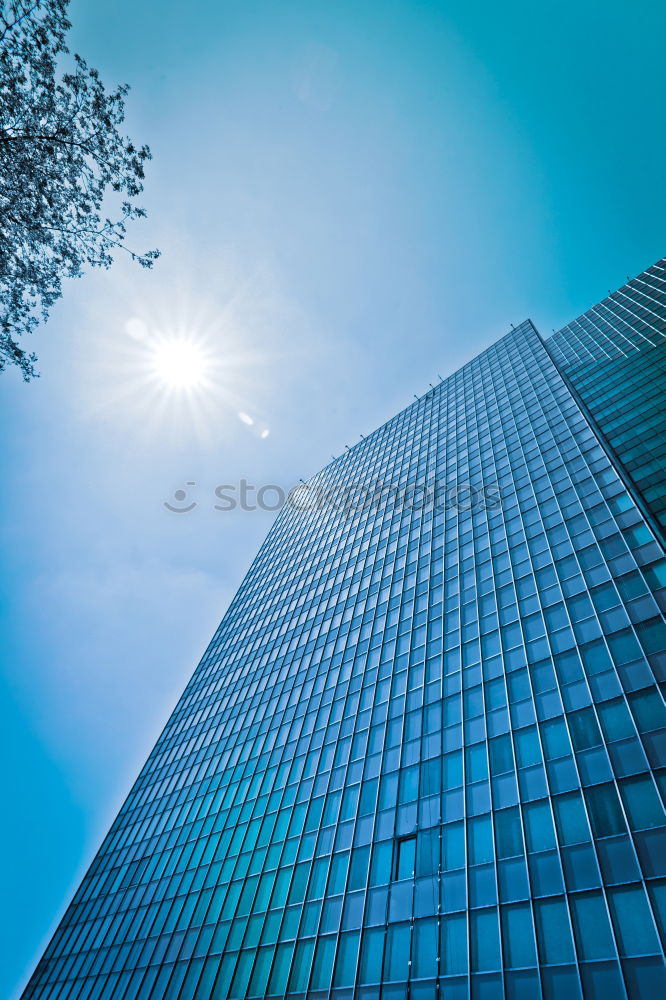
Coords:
pixel 615 357
pixel 421 754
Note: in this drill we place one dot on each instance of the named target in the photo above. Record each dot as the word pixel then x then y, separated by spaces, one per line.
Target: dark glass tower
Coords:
pixel 614 356
pixel 420 757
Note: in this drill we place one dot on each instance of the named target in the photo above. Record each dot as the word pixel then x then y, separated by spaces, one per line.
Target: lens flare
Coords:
pixel 179 364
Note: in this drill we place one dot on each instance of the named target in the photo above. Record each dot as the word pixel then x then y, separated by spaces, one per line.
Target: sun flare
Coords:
pixel 179 363
pixel 186 369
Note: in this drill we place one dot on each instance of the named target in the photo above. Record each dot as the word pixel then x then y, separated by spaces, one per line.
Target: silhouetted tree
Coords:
pixel 61 155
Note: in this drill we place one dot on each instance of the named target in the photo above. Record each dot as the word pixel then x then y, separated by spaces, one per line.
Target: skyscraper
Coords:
pixel 420 756
pixel 615 358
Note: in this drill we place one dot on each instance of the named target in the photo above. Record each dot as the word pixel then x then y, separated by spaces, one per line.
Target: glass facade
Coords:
pixel 614 355
pixel 420 756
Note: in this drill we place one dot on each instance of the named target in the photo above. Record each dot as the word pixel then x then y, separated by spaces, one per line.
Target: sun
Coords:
pixel 179 363
pixel 186 371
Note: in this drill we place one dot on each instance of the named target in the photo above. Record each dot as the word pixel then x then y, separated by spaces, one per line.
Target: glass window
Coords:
pixel 318 879
pixel 605 810
pixel 633 922
pixel 368 797
pixel 425 949
pixel 380 871
pixel 480 840
pixel 262 968
pixel 300 972
pixel 648 709
pixel 527 747
pixel 299 882
pixel 539 827
pixel 427 852
pixel 518 936
pixel 555 738
pixel 405 857
pixel 372 951
pixel 501 755
pixel 572 827
pixel 322 968
pixel 409 784
pixel 615 720
pixel 396 960
pixel 584 729
pixel 345 964
pixel 508 835
pixel 358 869
pixel 338 875
pixel 242 974
pixel 484 940
pixel 642 803
pixel 476 762
pixel 553 934
pixel 592 927
pixel 454 944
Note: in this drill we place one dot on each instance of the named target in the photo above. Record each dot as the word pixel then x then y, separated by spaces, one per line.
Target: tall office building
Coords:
pixel 624 392
pixel 419 758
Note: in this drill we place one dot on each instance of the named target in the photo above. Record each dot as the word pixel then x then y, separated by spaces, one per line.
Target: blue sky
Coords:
pixel 350 199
